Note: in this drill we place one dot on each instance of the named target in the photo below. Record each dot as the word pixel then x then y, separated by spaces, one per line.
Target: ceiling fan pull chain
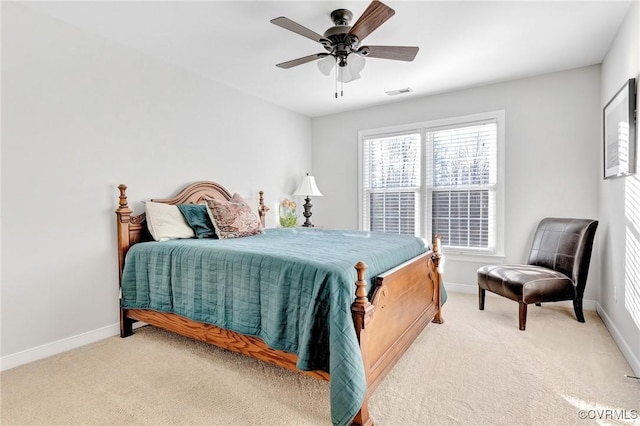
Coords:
pixel 337 71
pixel 339 75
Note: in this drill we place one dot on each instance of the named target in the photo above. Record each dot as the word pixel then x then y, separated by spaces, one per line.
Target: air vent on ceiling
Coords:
pixel 399 91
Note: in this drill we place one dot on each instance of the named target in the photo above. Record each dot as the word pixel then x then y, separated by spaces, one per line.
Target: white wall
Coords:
pixel 81 115
pixel 619 207
pixel 552 156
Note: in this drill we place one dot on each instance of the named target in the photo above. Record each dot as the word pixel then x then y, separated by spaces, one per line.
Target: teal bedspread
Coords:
pixel 293 288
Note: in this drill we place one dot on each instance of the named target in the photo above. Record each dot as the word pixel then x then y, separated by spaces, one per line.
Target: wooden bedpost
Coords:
pixel 436 258
pixel 262 208
pixel 123 215
pixel 362 310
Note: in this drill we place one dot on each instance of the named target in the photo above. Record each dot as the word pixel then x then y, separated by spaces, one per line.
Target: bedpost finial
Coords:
pixel 437 241
pixel 262 208
pixel 123 196
pixel 436 246
pixel 361 284
pixel 361 308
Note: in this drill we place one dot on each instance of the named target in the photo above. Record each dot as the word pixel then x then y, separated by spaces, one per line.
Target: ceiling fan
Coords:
pixel 342 42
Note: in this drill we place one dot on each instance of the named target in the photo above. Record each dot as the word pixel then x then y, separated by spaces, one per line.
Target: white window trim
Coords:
pixel 499 116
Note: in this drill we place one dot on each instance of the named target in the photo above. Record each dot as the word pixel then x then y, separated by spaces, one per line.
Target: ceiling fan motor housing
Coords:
pixel 337 40
pixel 341 16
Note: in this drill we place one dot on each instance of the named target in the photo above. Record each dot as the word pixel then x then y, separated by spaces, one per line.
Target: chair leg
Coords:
pixel 522 315
pixel 481 293
pixel 577 307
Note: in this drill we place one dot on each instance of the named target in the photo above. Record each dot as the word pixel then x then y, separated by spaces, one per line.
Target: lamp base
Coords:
pixel 307 213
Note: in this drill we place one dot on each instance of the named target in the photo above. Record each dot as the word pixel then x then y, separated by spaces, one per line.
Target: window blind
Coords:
pixel 391 181
pixel 462 183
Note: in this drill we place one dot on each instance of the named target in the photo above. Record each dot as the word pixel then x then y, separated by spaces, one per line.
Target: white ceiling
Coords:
pixel 462 44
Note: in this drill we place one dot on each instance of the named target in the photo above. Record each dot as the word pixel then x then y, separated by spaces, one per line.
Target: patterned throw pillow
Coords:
pixel 234 218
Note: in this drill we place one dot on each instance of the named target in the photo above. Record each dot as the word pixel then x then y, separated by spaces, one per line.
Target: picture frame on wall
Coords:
pixel 619 132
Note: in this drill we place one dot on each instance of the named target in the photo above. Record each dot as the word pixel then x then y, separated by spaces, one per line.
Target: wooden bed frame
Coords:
pixel 405 299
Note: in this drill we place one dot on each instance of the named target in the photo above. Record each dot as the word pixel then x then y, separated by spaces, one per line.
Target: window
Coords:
pixel 393 182
pixel 440 177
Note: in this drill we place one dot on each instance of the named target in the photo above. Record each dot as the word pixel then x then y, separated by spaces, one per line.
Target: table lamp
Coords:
pixel 308 188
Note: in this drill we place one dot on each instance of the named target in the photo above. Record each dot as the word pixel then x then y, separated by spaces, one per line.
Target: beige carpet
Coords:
pixel 476 368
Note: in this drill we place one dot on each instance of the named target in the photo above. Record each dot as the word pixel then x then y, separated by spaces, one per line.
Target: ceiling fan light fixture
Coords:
pixel 346 76
pixel 325 65
pixel 350 71
pixel 356 63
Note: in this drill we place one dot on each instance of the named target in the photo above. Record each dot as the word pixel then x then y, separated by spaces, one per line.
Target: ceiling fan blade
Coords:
pixel 375 14
pixel 300 61
pixel 290 25
pixel 398 53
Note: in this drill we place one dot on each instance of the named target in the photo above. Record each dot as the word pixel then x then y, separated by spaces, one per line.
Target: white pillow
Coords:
pixel 166 222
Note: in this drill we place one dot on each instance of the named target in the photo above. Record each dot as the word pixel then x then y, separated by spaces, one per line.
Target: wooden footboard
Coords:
pixel 404 300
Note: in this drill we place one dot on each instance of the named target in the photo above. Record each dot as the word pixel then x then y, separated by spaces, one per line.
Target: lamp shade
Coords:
pixel 325 65
pixel 308 187
pixel 350 72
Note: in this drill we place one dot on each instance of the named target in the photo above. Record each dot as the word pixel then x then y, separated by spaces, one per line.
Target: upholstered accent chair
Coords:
pixel 556 270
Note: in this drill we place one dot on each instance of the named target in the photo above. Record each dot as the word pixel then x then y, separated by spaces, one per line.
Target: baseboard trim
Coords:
pixel 587 305
pixel 54 348
pixel 628 354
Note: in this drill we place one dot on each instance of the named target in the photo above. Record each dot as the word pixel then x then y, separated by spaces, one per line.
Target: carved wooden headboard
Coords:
pixel 132 228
